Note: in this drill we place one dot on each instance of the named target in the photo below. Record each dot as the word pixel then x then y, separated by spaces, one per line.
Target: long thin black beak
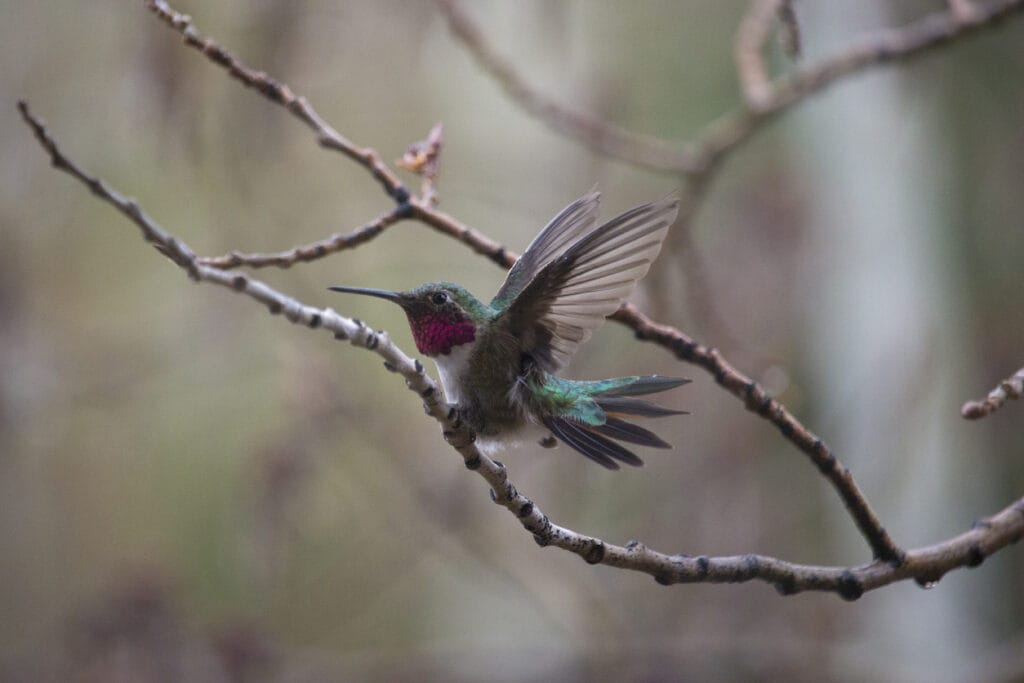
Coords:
pixel 379 293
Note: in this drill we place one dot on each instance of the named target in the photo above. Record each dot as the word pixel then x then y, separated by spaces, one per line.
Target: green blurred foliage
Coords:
pixel 193 490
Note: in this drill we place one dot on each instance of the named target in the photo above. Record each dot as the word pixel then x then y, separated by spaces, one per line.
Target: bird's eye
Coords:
pixel 439 298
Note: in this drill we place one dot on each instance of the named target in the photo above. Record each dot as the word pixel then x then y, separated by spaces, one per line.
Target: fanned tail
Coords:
pixel 614 398
pixel 637 386
pixel 604 452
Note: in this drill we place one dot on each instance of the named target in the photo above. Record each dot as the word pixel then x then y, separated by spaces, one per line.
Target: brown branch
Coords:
pixel 1010 388
pixel 925 565
pixel 758 401
pixel 310 252
pixel 280 93
pixel 751 393
pixel 423 159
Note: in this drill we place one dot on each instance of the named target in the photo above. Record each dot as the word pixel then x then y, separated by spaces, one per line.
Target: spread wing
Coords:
pixel 570 296
pixel 567 226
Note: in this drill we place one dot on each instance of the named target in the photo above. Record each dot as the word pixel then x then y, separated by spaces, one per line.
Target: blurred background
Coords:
pixel 191 489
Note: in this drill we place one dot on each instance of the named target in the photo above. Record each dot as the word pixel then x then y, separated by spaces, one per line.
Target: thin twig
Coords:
pixel 310 252
pixel 278 92
pixel 925 565
pixel 1010 388
pixel 423 158
pixel 670 338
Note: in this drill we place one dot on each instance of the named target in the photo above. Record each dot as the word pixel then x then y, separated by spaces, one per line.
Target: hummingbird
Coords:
pixel 497 361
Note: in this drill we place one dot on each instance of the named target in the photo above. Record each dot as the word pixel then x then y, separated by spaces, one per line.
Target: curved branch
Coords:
pixel 751 40
pixel 760 402
pixel 310 252
pixel 721 136
pixel 925 565
pixel 1010 388
pixel 646 151
pixel 326 135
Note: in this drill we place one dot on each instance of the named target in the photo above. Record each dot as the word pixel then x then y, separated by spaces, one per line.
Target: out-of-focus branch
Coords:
pixel 1010 388
pixel 791 41
pixel 751 40
pixel 724 134
pixel 621 143
pixel 752 394
pixel 925 565
pixel 964 10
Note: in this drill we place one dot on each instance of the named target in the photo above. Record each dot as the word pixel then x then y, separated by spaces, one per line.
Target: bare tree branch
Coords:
pixel 964 10
pixel 310 252
pixel 724 134
pixel 758 401
pixel 925 565
pixel 326 135
pixel 1010 388
pixel 615 141
pixel 751 41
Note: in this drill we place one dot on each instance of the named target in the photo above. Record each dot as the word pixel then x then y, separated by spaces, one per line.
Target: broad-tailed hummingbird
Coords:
pixel 497 361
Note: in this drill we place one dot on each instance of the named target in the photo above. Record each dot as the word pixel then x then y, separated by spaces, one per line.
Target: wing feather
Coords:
pixel 571 222
pixel 580 279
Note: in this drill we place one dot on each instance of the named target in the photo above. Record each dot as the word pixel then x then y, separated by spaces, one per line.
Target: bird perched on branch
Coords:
pixel 498 361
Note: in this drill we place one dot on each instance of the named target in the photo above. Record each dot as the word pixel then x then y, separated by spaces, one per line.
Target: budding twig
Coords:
pixel 1010 388
pixel 422 158
pixel 309 252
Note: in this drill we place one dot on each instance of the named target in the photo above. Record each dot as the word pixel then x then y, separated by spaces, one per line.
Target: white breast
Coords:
pixel 451 369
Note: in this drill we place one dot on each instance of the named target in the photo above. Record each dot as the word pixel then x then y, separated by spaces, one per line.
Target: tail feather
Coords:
pixel 615 428
pixel 604 452
pixel 591 431
pixel 637 386
pixel 635 406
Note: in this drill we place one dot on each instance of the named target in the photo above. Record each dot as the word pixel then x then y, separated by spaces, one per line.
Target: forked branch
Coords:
pixel 764 98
